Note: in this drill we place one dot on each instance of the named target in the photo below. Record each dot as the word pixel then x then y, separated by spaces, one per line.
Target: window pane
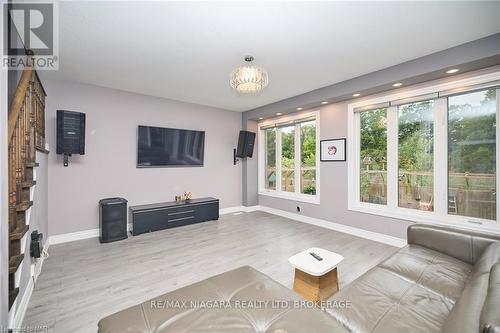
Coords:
pixel 415 151
pixel 308 158
pixel 288 158
pixel 472 154
pixel 270 181
pixel 373 153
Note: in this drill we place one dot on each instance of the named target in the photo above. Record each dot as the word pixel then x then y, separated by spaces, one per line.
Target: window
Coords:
pixel 289 150
pixel 270 182
pixel 288 158
pixel 308 157
pixel 472 154
pixel 416 155
pixel 373 153
pixel 428 155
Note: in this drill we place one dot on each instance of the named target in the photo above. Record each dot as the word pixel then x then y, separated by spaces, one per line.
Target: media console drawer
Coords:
pixel 154 217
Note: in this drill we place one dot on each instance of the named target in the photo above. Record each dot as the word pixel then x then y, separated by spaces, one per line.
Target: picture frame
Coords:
pixel 333 150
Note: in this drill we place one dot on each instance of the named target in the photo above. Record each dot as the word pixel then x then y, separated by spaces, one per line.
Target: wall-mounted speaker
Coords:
pixel 70 133
pixel 112 219
pixel 246 141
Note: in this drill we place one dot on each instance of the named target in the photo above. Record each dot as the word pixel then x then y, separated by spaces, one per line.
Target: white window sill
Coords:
pixel 419 216
pixel 313 199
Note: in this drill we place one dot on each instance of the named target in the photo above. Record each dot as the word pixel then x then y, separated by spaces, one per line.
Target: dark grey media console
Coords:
pixel 147 218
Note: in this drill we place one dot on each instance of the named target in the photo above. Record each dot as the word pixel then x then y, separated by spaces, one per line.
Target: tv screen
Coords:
pixel 157 147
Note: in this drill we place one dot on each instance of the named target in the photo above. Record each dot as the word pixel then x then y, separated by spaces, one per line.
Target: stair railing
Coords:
pixel 26 132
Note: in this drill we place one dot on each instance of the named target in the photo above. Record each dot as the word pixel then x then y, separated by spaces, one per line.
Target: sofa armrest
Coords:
pixel 465 245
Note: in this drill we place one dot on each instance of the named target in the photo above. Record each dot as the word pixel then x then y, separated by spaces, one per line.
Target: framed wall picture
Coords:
pixel 333 150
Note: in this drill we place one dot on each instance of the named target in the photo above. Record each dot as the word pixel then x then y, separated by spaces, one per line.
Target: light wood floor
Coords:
pixel 83 281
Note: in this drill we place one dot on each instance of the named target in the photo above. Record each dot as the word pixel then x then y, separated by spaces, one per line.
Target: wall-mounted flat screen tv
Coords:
pixel 163 147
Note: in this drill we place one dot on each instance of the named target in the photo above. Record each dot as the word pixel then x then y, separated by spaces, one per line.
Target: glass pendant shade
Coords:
pixel 249 79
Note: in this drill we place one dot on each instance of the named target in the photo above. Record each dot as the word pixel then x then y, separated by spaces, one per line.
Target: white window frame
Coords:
pixel 440 214
pixel 278 193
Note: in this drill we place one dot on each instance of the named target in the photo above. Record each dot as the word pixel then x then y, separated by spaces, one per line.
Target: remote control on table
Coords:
pixel 318 258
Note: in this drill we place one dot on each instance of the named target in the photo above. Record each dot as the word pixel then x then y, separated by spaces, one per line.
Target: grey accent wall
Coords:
pixel 479 54
pixel 333 186
pixel 250 197
pixel 333 175
pixel 108 168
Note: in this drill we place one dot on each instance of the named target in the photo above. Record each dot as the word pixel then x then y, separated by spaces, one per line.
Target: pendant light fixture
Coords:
pixel 249 78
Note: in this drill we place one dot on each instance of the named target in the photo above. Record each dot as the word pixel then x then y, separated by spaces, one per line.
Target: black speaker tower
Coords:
pixel 112 219
pixel 70 133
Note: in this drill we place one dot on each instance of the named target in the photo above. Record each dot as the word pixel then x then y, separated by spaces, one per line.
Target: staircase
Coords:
pixel 26 133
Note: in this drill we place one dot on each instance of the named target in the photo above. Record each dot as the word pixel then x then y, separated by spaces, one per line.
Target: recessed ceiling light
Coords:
pixel 356 95
pixel 452 71
pixel 260 118
pixel 279 113
pixel 299 109
pixel 399 84
pixel 324 102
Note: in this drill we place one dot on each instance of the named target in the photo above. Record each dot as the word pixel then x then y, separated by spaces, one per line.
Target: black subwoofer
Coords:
pixel 112 219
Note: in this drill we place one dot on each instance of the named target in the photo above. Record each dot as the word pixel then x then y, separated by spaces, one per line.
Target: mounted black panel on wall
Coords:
pixel 246 141
pixel 70 133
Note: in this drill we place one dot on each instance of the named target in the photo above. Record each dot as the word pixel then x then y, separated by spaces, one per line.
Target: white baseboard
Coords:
pixel 22 306
pixel 374 236
pixel 22 301
pixel 91 233
pixel 73 236
pixel 231 210
pixel 249 209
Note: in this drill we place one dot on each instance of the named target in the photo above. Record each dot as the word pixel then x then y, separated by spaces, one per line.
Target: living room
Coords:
pixel 250 166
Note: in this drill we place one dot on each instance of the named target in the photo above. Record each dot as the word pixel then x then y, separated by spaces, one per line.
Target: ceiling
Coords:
pixel 185 51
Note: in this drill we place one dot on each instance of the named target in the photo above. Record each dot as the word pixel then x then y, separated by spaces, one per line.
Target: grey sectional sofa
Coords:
pixel 444 280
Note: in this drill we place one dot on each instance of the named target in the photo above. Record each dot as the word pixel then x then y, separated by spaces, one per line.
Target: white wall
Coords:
pixel 108 168
pixel 4 226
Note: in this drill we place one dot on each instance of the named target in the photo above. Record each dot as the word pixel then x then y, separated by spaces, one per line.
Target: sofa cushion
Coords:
pixel 412 291
pixel 237 288
pixel 465 316
pixel 433 270
pixel 463 244
pixel 490 315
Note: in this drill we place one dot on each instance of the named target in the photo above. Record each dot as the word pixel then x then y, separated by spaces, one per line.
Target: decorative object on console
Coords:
pixel 112 219
pixel 186 196
pixel 333 150
pixel 70 133
pixel 246 141
pixel 154 217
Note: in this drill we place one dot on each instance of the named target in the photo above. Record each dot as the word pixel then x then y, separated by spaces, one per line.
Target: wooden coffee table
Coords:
pixel 316 280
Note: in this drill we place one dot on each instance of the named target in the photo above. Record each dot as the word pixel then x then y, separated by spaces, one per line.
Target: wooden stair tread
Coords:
pixel 23 206
pixel 15 262
pixel 28 184
pixel 19 232
pixel 12 296
pixel 32 165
